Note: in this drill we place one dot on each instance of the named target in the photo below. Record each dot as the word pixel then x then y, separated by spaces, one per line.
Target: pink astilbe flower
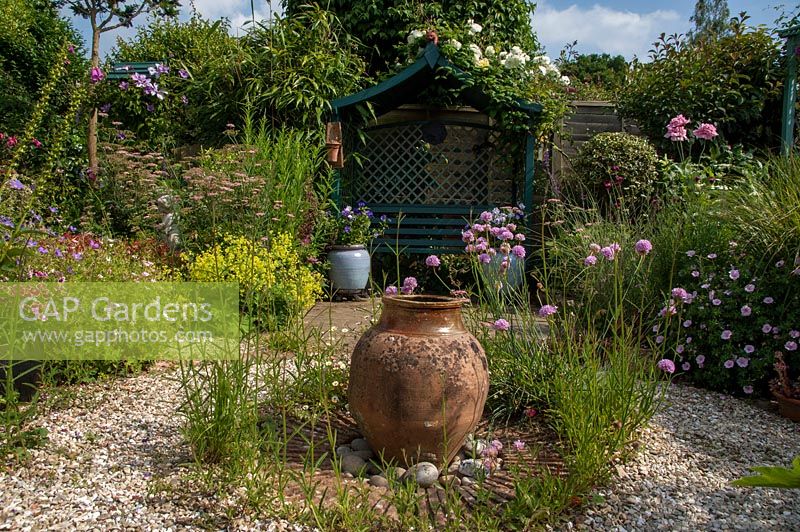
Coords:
pixel 705 131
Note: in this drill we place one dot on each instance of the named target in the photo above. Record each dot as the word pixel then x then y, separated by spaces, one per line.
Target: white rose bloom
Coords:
pixel 474 27
pixel 456 44
pixel 475 49
pixel 414 35
pixel 543 70
pixel 490 51
pixel 516 50
pixel 565 80
pixel 543 59
pixel 503 55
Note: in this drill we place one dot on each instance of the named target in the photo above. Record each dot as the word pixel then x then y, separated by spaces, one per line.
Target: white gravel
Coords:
pixel 696 445
pixel 116 460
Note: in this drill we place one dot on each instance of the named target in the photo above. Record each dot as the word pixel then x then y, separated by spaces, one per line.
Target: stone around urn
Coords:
pixel 360 444
pixel 343 450
pixel 378 481
pixel 470 467
pixel 353 464
pixel 424 473
pixel 365 455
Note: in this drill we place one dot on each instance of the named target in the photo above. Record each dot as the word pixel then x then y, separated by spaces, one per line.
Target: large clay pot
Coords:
pixel 418 380
pixel 350 267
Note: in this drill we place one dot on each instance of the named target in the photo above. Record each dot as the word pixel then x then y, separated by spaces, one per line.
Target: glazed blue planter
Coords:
pixel 350 267
pixel 511 280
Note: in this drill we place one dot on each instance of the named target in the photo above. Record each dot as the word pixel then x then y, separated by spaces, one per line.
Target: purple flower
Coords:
pixel 780 263
pixel 123 85
pixel 794 334
pixel 58 253
pixel 688 339
pixel 183 74
pixel 42 250
pixel 591 260
pixel 767 328
pixel 742 362
pixel 547 310
pixel 519 445
pixel 409 284
pixel 518 251
pixel 729 363
pixel 433 261
pixel 96 75
pixel 716 302
pixel 687 323
pixel 5 220
pixel 680 349
pixel 733 274
pixel 705 131
pixel 700 359
pixel 105 108
pixel 747 389
pixel 680 293
pixel 746 310
pixel 150 107
pixel 695 274
pixel 666 365
pixel 391 290
pixel 712 256
pixel 607 252
pixel 686 366
pixel 15 184
pixel 485 258
pixel 791 345
pixel 486 216
pixel 768 300
pixel 749 349
pixel 77 256
pixel 659 339
pixel 643 247
pixel 750 288
pixel 501 325
pixel 726 334
pixel 691 253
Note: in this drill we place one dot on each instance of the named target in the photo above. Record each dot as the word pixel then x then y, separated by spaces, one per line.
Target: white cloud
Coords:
pixel 600 29
pixel 238 11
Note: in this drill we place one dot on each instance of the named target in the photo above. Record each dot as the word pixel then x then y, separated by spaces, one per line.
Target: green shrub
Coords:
pixel 275 285
pixel 618 166
pixel 733 81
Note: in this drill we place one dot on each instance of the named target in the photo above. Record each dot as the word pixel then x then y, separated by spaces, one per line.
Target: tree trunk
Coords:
pixel 91 141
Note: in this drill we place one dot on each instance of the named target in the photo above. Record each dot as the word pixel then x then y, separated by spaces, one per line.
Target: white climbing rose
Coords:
pixel 474 27
pixel 414 35
pixel 489 51
pixel 456 44
pixel 565 80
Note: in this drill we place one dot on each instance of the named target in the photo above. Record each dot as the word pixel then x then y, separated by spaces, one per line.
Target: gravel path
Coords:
pixel 115 460
pixel 696 445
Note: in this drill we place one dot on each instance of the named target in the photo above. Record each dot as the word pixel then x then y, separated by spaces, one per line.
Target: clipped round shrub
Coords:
pixel 618 165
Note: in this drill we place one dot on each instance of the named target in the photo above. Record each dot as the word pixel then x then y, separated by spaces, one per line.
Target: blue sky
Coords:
pixel 626 27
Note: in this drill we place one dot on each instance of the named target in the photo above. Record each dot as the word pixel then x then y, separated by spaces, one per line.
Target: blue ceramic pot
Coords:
pixel 511 279
pixel 350 267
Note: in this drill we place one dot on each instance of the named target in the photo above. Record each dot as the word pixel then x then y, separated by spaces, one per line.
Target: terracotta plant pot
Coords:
pixel 788 406
pixel 418 380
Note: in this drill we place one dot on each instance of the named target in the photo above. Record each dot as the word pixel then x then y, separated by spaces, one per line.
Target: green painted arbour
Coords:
pixel 428 197
pixel 792 36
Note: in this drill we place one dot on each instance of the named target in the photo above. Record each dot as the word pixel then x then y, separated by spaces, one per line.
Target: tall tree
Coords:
pixel 710 19
pixel 105 16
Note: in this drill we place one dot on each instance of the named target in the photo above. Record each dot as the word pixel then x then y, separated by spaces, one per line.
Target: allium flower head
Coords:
pixel 591 260
pixel 547 310
pixel 607 252
pixel 666 365
pixel 409 284
pixel 518 251
pixel 391 290
pixel 519 445
pixel 643 247
pixel 501 325
pixel 433 261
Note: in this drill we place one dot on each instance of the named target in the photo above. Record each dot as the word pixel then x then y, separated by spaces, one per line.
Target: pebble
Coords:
pixel 360 444
pixel 379 481
pixel 364 455
pixel 471 467
pixel 353 464
pixel 343 450
pixel 424 473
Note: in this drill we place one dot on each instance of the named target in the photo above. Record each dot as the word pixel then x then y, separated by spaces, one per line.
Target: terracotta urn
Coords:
pixel 788 407
pixel 418 380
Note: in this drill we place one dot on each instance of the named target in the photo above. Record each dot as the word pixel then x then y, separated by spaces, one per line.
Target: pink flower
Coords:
pixel 749 349
pixel 687 323
pixel 486 216
pixel 643 247
pixel 746 310
pixel 391 290
pixel 767 328
pixel 501 325
pixel 36 143
pixel 96 75
pixel 595 248
pixel 726 334
pixel 676 134
pixel 680 293
pixel 734 274
pixel 409 284
pixel 679 121
pixel 700 359
pixel 742 362
pixel 686 366
pixel 768 300
pixel 547 310
pixel 750 288
pixel 518 251
pixel 433 261
pixel 591 260
pixel 531 412
pixel 794 334
pixel 729 363
pixel 691 253
pixel 519 445
pixel 607 252
pixel 659 339
pixel 679 349
pixel 790 345
pixel 747 389
pixel 485 258
pixel 705 131
pixel 666 365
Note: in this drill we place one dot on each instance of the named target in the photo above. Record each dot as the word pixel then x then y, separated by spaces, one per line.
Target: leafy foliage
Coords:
pixel 773 477
pixel 734 81
pixel 593 76
pixel 619 166
pixel 710 19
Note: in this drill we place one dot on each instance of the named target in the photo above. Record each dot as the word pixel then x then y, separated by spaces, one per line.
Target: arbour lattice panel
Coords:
pixel 469 166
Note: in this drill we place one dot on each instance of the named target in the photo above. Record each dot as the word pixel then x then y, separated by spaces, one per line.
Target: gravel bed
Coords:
pixel 116 460
pixel 696 445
